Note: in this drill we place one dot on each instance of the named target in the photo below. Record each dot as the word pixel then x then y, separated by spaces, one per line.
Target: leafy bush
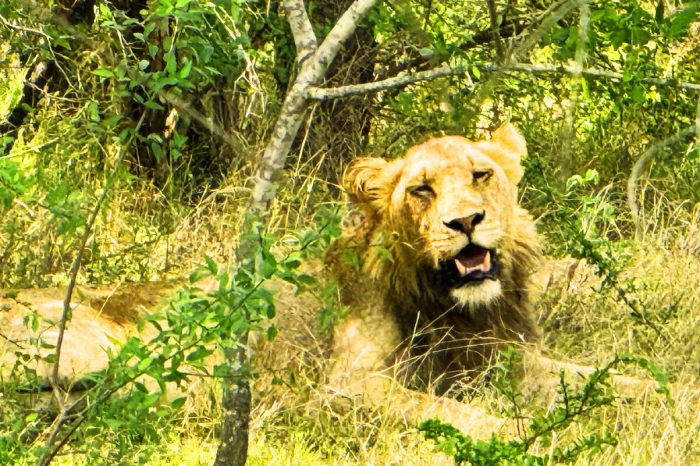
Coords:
pixel 572 404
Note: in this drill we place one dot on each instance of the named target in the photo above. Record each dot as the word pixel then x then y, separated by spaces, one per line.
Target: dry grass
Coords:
pixel 585 324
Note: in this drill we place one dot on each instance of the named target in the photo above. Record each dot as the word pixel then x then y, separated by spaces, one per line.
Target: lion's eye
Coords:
pixel 423 190
pixel 481 176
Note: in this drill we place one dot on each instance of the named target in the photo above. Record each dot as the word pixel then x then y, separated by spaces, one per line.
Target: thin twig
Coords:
pixel 320 93
pixel 426 16
pixel 495 34
pixel 10 340
pixel 75 267
pixel 596 73
pixel 24 28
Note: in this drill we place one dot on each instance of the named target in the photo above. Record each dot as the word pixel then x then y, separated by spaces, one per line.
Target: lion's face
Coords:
pixel 450 202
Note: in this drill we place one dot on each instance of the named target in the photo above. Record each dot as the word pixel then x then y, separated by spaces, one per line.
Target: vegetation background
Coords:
pixel 154 115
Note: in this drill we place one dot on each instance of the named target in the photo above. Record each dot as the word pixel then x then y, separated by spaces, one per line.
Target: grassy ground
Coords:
pixel 584 322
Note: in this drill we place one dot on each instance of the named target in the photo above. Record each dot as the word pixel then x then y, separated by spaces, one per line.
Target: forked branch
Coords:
pixel 313 70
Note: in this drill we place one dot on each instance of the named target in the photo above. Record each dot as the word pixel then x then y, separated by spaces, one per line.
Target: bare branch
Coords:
pixel 639 167
pixel 10 340
pixel 485 36
pixel 304 37
pixel 319 93
pixel 594 72
pixel 549 18
pixel 342 30
pixel 296 103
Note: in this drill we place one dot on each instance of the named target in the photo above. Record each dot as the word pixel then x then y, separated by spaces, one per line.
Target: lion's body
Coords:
pixel 437 342
pixel 407 318
pixel 447 254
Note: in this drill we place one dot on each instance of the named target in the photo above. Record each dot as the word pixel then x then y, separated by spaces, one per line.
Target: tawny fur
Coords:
pixel 445 338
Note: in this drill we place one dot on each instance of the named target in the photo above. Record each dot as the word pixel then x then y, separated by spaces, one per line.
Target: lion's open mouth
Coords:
pixel 472 264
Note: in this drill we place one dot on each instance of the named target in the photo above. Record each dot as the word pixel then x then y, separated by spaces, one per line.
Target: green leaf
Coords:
pixel 426 52
pixel 166 81
pixel 199 354
pixel 170 63
pixel 153 105
pixel 211 265
pixel 93 110
pixel 199 273
pixel 140 387
pixel 266 264
pixel 307 279
pixel 185 71
pixel 680 22
pixel 143 364
pixel 178 403
pixel 157 151
pixel 637 94
pixel 271 332
pixel 585 91
pixel 103 72
pixel 153 50
pixel 384 254
pixel 270 310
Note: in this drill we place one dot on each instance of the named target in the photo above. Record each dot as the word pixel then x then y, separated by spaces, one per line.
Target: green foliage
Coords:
pixel 572 404
pixel 582 219
pixel 229 64
pixel 13 183
pixel 464 450
pixel 124 402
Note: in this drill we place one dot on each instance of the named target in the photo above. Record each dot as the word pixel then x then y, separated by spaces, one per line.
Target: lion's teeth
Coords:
pixel 460 268
pixel 486 265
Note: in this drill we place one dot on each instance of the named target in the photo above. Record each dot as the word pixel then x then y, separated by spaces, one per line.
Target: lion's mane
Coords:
pixel 443 341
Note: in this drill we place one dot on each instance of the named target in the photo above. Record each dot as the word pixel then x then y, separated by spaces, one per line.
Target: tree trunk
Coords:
pixel 233 450
pixel 314 62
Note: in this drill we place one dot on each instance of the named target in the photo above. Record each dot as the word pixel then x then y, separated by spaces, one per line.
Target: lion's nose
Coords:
pixel 465 224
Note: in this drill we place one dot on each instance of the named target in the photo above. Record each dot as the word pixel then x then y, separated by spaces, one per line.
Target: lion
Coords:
pixel 447 255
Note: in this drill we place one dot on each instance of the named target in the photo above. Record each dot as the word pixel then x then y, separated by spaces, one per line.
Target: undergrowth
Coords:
pixel 179 192
pixel 571 403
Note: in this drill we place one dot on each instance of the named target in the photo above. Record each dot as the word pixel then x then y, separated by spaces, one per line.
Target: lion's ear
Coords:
pixel 508 148
pixel 365 180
